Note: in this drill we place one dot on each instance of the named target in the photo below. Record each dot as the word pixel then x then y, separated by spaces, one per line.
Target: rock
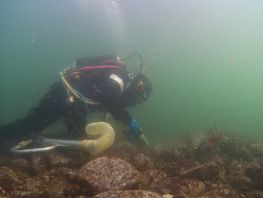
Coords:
pixel 254 194
pixel 222 193
pixel 8 177
pixel 3 193
pixel 235 175
pixel 57 187
pixel 240 182
pixel 155 180
pixel 244 153
pixel 20 163
pixel 209 171
pixel 30 188
pixel 124 150
pixel 255 172
pixel 236 149
pixel 167 154
pixel 142 162
pixel 196 138
pixel 128 194
pixel 66 172
pixel 37 164
pixel 189 188
pixel 105 173
pixel 22 167
pixel 56 159
pixel 257 149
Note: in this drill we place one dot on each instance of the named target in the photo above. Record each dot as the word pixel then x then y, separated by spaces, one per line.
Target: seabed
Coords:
pixel 205 166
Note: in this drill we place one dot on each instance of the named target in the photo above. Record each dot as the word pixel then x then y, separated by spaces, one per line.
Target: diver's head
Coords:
pixel 138 91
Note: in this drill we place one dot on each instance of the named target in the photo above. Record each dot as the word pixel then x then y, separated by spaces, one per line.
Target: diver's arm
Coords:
pixel 134 133
pixel 117 111
pixel 115 107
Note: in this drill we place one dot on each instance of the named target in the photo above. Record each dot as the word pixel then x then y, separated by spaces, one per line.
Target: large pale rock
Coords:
pixel 104 173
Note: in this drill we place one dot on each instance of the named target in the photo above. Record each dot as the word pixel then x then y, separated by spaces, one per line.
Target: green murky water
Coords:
pixel 203 57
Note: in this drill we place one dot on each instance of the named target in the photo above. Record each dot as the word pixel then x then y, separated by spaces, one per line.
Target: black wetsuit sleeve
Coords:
pixel 117 111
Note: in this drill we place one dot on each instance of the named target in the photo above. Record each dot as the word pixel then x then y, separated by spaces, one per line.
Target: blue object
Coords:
pixel 135 130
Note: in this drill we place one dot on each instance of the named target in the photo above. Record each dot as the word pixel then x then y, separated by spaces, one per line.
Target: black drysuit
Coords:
pixel 96 84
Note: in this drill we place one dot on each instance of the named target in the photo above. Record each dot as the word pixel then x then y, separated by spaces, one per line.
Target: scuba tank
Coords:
pixel 97 60
pixel 107 60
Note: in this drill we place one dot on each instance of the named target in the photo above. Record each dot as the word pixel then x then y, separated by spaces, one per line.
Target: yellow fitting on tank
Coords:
pixel 106 137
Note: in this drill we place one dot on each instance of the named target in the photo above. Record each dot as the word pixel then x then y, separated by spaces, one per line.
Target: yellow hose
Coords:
pixel 106 137
pixel 89 101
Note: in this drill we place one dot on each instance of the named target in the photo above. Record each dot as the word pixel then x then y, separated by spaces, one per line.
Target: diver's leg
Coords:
pixel 75 118
pixel 50 108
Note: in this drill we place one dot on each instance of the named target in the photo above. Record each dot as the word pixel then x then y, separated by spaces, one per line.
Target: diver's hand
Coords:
pixel 134 130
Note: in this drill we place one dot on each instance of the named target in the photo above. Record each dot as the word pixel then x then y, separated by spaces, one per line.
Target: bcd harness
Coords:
pixel 105 64
pixel 77 71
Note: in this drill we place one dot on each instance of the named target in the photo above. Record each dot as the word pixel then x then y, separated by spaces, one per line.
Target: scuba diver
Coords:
pixel 98 83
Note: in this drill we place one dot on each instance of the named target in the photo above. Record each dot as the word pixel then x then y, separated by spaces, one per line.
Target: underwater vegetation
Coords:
pixel 215 165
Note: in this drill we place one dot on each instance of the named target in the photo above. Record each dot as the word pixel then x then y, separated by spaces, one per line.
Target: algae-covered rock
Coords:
pixel 236 175
pixel 223 193
pixel 3 193
pixel 106 173
pixel 155 180
pixel 257 148
pixel 254 194
pixel 8 177
pixel 189 188
pixel 37 163
pixel 20 163
pixel 128 194
pixel 143 162
pixel 210 171
pixel 57 186
pixel 56 159
pixel 30 188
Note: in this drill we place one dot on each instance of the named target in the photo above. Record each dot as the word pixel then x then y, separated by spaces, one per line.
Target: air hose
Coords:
pixel 104 131
pixel 140 57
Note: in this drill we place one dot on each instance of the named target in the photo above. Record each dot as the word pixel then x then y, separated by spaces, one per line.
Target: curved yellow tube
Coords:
pixel 102 129
pixel 106 137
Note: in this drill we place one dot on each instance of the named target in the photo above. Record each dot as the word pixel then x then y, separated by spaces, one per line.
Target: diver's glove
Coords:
pixel 134 131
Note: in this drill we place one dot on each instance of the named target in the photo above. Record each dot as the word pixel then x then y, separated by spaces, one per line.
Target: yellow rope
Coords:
pixel 92 102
